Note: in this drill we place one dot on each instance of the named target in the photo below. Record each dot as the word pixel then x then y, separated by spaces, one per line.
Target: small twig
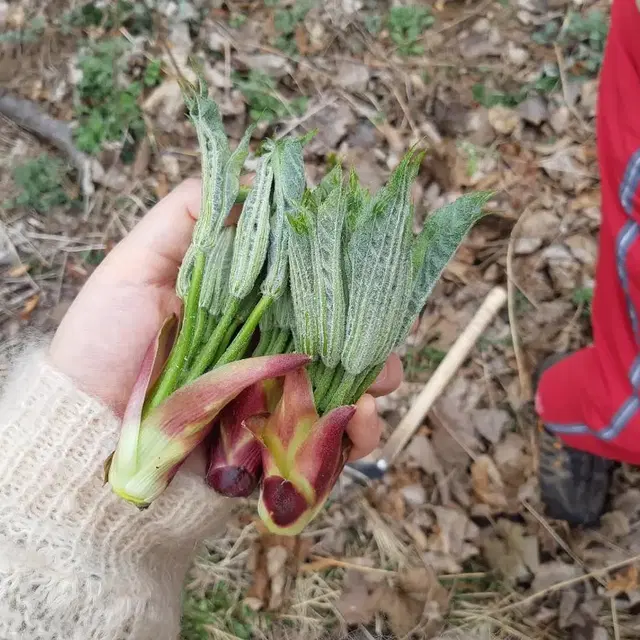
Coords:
pixel 403 106
pixel 614 619
pixel 439 421
pixel 565 95
pixel 557 538
pixel 227 68
pixel 27 115
pixel 567 583
pixel 294 124
pixel 526 387
pixel 474 12
pixel 319 564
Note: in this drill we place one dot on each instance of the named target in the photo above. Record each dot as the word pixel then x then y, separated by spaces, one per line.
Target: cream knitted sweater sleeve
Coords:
pixel 77 563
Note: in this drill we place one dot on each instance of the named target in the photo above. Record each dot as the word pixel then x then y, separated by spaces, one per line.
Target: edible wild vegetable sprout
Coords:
pixel 288 318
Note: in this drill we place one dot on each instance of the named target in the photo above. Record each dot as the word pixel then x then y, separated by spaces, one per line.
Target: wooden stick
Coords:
pixel 443 374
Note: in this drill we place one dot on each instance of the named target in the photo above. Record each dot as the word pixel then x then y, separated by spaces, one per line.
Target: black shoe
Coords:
pixel 573 484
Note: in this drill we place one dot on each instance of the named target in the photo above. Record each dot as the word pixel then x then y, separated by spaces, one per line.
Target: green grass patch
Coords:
pixel 264 100
pixel 106 102
pixel 417 362
pixel 582 39
pixel 216 609
pixel 285 22
pixel 406 25
pixel 41 184
pixel 134 16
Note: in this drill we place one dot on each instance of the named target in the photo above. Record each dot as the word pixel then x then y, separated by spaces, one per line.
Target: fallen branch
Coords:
pixel 566 583
pixel 26 114
pixel 443 374
pixel 524 377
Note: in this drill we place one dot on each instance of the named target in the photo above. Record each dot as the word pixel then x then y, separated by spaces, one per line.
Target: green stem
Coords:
pixel 168 380
pixel 315 371
pixel 331 387
pixel 363 382
pixel 243 192
pixel 226 341
pixel 275 334
pixel 291 346
pixel 202 320
pixel 241 341
pixel 324 378
pixel 341 393
pixel 263 343
pixel 207 354
pixel 278 345
pixel 211 325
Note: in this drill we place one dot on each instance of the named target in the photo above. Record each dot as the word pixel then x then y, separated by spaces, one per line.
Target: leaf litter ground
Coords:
pixel 502 95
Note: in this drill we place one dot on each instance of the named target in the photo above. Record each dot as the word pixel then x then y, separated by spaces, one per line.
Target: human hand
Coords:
pixel 102 339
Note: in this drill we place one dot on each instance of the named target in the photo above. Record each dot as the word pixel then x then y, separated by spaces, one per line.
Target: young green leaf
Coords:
pixel 379 254
pixel 214 151
pixel 288 187
pixel 302 281
pixel 232 170
pixel 252 236
pixel 436 244
pixel 215 283
pixel 326 255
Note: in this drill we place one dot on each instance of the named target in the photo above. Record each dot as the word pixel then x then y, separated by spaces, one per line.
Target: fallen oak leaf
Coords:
pixel 487 482
pixel 623 582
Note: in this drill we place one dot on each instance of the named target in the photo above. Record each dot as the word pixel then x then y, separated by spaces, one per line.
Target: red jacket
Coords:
pixel 592 398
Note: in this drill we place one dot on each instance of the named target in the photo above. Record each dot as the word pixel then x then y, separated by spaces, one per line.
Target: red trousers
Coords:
pixel 591 399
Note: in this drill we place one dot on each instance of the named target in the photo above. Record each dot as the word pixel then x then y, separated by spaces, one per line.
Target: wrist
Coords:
pixel 54 440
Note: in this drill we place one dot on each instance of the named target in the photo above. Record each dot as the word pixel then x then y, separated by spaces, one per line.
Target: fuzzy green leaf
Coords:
pixel 232 170
pixel 288 187
pixel 436 244
pixel 252 236
pixel 302 282
pixel 380 279
pixel 215 282
pixel 326 252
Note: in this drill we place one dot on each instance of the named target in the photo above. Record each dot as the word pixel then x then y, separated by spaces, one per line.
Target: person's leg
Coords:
pixel 589 402
pixel 574 484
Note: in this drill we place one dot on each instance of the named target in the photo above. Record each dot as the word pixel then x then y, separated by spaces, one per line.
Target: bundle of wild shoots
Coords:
pixel 288 318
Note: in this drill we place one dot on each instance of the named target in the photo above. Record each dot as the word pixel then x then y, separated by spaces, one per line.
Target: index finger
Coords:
pixel 390 378
pixel 155 247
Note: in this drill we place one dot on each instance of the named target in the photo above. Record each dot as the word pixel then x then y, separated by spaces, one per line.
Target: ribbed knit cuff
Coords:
pixel 54 440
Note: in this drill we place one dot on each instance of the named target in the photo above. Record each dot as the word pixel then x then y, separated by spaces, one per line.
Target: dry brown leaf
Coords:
pixel 553 572
pixel 623 582
pixel 358 602
pixel 18 271
pixel 487 483
pixel 29 306
pixel 143 157
pixel 491 423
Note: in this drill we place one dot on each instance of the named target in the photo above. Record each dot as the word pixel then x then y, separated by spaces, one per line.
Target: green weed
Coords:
pixel 152 73
pixel 285 22
pixel 236 20
pixel 215 610
pixel 546 83
pixel 265 104
pixel 583 298
pixel 31 33
pixel 40 182
pixel 583 39
pixel 406 25
pixel 417 362
pixel 134 16
pixel 107 106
